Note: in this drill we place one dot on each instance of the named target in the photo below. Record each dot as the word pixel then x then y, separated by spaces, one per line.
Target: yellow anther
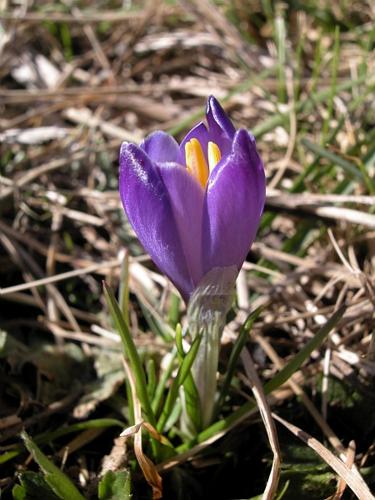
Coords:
pixel 196 162
pixel 214 155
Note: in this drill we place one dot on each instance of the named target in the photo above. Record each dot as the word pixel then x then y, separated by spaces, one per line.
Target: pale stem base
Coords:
pixel 207 311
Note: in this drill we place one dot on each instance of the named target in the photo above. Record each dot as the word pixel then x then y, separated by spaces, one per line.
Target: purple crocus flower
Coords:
pixel 196 206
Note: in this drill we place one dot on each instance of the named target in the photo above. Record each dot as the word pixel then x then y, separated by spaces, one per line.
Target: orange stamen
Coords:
pixel 214 155
pixel 196 162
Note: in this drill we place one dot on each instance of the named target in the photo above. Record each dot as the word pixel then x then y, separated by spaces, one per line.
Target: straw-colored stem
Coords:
pixel 207 311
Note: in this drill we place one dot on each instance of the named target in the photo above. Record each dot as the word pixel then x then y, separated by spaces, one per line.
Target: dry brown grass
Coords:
pixel 75 83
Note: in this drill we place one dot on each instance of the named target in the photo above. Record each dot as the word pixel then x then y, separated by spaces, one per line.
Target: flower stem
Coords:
pixel 207 312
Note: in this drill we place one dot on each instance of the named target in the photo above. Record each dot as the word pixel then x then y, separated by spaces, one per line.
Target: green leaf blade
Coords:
pixel 115 486
pixel 61 485
pixel 131 353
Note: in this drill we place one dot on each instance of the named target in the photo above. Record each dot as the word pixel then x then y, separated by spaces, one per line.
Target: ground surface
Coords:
pixel 76 79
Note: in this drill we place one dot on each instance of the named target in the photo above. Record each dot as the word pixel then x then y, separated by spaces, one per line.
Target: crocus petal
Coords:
pixel 161 147
pixel 186 199
pixel 198 132
pixel 147 204
pixel 233 205
pixel 220 131
pixel 220 128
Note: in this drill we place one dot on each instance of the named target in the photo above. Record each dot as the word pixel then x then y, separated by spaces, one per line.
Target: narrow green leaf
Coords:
pixel 192 399
pixel 182 373
pixel 298 184
pixel 280 39
pixel 332 94
pixel 57 480
pixel 160 389
pixel 98 423
pixel 301 44
pixel 131 354
pixel 285 373
pixel 18 492
pixel 33 487
pixel 317 62
pixel 235 354
pixel 174 310
pixel 160 329
pixel 124 288
pixel 115 486
pixel 151 378
pixel 192 402
pixel 129 397
pixel 173 416
pixel 179 343
pixel 8 455
pixel 302 106
pixel 346 165
pixel 273 384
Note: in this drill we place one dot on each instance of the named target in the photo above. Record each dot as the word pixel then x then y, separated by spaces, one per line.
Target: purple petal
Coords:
pixel 198 132
pixel 186 199
pixel 234 203
pixel 161 147
pixel 148 207
pixel 220 128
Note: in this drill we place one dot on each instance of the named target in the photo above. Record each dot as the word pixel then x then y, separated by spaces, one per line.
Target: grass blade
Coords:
pixel 293 365
pixel 131 354
pixel 57 480
pixel 183 372
pixel 157 401
pixel 349 167
pixel 192 401
pixel 115 485
pixel 303 106
pixel 235 354
pixel 335 64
